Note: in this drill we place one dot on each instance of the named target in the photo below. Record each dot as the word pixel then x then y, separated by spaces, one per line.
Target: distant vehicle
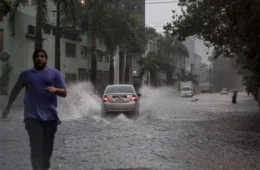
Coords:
pixel 121 98
pixel 224 91
pixel 186 89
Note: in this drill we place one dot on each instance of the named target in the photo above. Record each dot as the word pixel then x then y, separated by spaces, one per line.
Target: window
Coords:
pixel 70 77
pixel 119 89
pixel 31 30
pixel 186 89
pixel 70 50
pixel 1 40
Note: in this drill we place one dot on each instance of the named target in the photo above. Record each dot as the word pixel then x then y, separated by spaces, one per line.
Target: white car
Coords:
pixel 186 91
pixel 224 91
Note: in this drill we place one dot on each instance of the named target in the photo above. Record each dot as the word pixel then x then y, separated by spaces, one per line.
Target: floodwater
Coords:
pixel 170 133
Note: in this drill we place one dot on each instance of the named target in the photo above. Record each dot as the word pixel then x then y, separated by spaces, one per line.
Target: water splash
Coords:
pixel 81 101
pixel 153 99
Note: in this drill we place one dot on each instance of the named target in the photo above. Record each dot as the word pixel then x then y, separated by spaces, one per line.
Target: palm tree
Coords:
pixel 67 6
pixel 134 41
pixel 166 48
pixel 113 23
pixel 186 76
pixel 90 24
pixel 149 65
pixel 166 65
pixel 113 26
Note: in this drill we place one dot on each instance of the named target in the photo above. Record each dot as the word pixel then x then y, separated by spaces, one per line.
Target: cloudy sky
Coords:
pixel 158 12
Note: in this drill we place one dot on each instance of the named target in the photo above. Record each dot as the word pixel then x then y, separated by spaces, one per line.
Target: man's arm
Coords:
pixel 60 86
pixel 62 92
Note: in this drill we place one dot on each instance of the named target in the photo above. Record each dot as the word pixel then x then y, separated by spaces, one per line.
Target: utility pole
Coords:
pixel 210 78
pixel 89 51
pixel 57 37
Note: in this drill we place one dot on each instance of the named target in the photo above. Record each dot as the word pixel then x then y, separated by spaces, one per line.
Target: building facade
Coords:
pixel 194 61
pixel 74 50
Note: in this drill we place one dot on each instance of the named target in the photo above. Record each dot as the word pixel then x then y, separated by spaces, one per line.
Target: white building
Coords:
pixel 74 57
pixel 194 62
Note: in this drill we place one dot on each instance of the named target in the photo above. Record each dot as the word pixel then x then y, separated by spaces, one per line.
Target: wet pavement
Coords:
pixel 171 133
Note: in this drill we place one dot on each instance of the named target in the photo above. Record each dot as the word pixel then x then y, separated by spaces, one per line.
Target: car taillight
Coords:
pixel 105 99
pixel 133 98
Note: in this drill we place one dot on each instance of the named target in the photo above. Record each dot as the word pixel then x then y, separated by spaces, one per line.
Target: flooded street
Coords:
pixel 171 133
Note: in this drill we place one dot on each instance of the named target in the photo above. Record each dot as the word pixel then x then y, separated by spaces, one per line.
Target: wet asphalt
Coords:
pixel 171 133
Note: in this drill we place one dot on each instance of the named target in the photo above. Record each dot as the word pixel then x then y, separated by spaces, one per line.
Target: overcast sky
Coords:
pixel 158 14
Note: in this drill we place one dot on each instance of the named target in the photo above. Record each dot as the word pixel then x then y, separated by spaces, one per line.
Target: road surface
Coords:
pixel 171 133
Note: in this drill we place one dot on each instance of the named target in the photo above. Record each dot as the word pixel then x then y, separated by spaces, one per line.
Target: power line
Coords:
pixel 165 2
pixel 149 2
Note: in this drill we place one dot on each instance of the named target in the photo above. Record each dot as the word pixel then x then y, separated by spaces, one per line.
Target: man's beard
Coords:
pixel 37 67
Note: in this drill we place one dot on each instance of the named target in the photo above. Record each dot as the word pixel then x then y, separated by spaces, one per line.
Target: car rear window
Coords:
pixel 185 89
pixel 119 89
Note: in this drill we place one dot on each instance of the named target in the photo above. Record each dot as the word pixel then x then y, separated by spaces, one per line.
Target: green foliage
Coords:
pixel 5 78
pixel 231 27
pixel 156 62
pixel 149 63
pixel 112 24
pixel 5 7
pixel 183 75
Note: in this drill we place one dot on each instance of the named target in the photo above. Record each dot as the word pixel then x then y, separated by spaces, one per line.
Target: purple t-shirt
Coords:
pixel 38 103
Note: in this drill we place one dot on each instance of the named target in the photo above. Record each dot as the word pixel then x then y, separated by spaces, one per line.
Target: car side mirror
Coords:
pixel 139 94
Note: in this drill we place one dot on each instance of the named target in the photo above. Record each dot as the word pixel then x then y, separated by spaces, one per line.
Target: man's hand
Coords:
pixel 5 113
pixel 51 89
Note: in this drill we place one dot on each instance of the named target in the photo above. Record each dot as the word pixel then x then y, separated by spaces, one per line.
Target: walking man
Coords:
pixel 43 85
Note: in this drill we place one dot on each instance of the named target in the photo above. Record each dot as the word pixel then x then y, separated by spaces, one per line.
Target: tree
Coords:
pixel 149 65
pixel 118 27
pixel 166 49
pixel 232 27
pixel 224 75
pixel 90 23
pixel 167 67
pixel 182 75
pixel 5 7
pixel 67 6
pixel 155 62
pixel 112 25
